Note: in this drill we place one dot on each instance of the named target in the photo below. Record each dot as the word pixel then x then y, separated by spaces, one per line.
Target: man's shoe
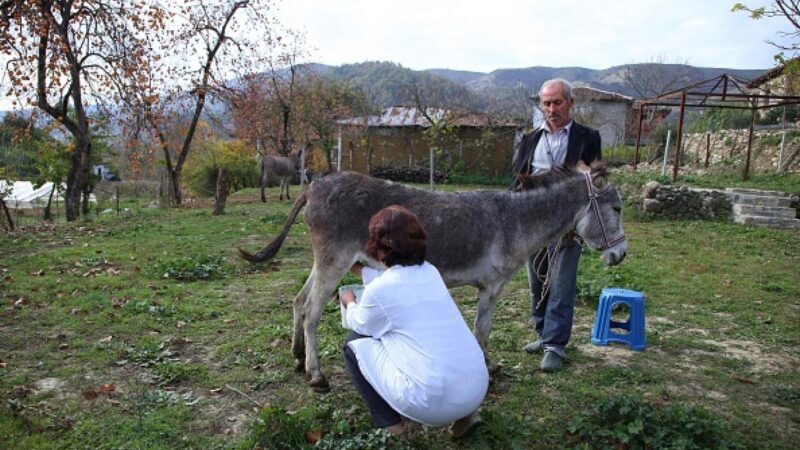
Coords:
pixel 534 347
pixel 550 362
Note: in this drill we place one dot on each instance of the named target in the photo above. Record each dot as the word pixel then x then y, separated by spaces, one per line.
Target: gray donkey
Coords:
pixel 479 238
pixel 283 167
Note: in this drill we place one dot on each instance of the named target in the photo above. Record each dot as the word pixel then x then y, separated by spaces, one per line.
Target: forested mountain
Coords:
pixel 388 84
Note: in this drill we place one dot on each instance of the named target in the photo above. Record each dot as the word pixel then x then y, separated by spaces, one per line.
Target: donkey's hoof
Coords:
pixel 299 365
pixel 494 369
pixel 320 385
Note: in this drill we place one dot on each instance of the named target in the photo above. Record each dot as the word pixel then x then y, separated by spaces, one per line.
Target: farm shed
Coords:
pixel 402 137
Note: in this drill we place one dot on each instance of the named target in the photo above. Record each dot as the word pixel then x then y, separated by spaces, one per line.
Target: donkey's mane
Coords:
pixel 546 179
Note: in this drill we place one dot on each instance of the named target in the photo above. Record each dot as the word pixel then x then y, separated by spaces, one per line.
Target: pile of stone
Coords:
pixel 680 202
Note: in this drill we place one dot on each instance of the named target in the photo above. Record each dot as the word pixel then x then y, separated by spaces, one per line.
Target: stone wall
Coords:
pixel 730 147
pixel 680 202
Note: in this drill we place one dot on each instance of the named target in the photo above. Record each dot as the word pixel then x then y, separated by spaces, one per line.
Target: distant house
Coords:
pixel 397 138
pixel 608 112
pixel 777 81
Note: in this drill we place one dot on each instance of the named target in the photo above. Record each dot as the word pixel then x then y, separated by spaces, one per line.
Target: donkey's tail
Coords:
pixel 272 248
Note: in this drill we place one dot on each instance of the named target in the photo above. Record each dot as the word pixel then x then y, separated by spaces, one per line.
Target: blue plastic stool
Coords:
pixel 602 332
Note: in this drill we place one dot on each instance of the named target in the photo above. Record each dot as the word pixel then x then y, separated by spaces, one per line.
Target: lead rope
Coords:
pixel 548 277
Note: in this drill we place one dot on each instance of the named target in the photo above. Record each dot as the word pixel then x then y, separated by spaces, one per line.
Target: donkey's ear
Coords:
pixel 599 174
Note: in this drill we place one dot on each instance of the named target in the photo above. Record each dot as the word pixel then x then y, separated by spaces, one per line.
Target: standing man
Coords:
pixel 559 141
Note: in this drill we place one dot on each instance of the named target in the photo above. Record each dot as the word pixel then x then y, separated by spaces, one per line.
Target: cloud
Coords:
pixel 487 35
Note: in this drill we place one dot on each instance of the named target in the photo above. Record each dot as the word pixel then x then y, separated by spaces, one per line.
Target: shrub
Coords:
pixel 235 157
pixel 408 174
pixel 193 269
pixel 631 422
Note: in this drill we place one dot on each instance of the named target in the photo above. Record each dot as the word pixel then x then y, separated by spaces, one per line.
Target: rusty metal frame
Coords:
pixel 723 91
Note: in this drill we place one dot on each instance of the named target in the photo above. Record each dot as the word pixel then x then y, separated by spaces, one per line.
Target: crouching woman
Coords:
pixel 410 353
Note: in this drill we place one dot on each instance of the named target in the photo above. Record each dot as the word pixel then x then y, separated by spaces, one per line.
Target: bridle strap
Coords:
pixel 593 203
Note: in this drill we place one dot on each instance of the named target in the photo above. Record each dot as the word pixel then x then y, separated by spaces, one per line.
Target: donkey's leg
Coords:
pixel 298 338
pixel 288 182
pixel 487 302
pixel 263 185
pixel 328 273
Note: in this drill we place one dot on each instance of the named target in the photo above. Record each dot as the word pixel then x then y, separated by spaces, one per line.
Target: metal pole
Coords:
pixel 666 153
pixel 638 138
pixel 431 166
pixel 783 139
pixel 679 138
pixel 339 151
pixel 746 174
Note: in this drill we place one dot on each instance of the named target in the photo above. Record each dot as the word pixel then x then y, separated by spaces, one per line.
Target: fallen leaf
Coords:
pixel 38 273
pixel 180 324
pixel 63 346
pixel 112 272
pixel 229 321
pixel 8 279
pixel 113 402
pixel 20 302
pixel 106 339
pixel 313 436
pixel 215 391
pixel 90 394
pixel 107 388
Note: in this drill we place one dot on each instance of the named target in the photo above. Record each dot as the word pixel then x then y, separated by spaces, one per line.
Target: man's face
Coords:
pixel 555 106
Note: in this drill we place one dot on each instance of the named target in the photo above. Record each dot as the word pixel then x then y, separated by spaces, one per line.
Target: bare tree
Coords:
pixel 217 36
pixel 657 76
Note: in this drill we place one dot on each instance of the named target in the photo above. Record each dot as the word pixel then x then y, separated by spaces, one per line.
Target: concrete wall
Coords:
pixel 609 118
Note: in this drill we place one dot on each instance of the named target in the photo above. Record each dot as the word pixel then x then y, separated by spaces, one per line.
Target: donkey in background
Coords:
pixel 283 167
pixel 479 238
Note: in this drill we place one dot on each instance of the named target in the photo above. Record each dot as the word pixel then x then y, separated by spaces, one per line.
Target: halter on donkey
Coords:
pixel 478 238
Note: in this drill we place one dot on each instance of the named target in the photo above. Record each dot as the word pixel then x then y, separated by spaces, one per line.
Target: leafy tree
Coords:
pixel 61 55
pixel 220 37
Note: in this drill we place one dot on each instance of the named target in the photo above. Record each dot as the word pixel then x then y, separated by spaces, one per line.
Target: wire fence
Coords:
pixel 107 198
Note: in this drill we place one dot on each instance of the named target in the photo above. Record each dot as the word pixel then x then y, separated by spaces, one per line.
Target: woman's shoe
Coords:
pixel 465 425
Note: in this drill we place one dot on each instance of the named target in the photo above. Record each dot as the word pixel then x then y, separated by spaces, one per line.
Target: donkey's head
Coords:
pixel 600 222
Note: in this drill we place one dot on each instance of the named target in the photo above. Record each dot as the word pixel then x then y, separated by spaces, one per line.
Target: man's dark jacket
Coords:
pixel 583 144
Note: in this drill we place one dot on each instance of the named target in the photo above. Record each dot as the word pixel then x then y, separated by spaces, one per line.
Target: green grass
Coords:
pixel 200 358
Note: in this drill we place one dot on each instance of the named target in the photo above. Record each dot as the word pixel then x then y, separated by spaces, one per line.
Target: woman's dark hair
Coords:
pixel 396 236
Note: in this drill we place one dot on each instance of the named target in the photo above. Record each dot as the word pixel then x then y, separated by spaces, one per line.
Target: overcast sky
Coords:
pixel 484 35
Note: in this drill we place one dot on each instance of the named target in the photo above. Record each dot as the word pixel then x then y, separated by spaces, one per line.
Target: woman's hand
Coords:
pixel 356 269
pixel 347 297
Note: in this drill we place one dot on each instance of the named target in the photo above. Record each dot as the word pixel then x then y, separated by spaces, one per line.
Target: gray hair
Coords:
pixel 564 83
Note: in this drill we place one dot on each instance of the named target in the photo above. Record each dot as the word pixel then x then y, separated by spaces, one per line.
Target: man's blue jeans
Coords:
pixel 552 318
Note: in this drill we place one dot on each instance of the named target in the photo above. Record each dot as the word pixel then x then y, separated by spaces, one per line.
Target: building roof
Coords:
pixel 401 116
pixel 769 75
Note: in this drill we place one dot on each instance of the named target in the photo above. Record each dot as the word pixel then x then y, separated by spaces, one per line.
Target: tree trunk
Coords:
pixel 10 226
pixel 78 176
pixel 87 193
pixel 221 194
pixel 175 197
pixel 48 215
